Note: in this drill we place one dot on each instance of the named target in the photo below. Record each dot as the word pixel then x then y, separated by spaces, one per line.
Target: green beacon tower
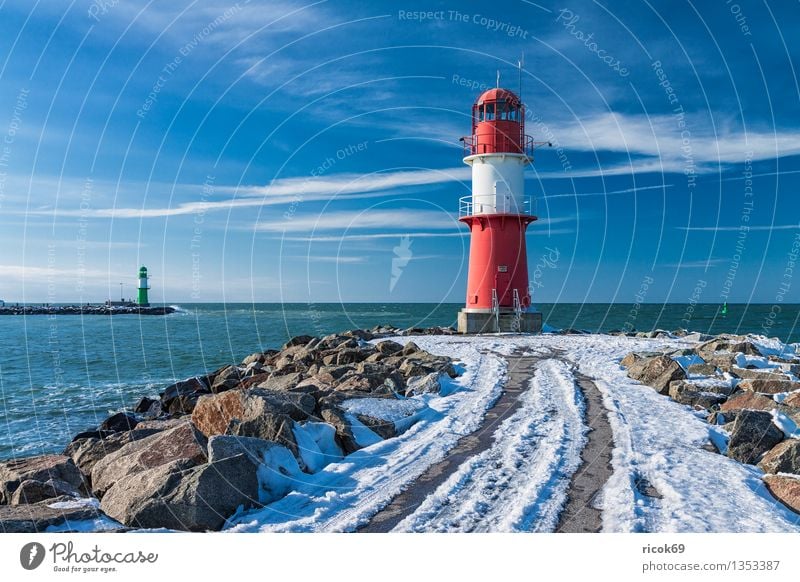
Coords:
pixel 141 297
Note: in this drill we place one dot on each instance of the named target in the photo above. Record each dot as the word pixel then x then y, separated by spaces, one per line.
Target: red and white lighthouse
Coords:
pixel 498 212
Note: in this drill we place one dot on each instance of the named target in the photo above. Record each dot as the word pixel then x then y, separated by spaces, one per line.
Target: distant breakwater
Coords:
pixel 85 310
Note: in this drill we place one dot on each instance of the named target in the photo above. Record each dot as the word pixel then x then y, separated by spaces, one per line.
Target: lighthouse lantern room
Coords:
pixel 497 213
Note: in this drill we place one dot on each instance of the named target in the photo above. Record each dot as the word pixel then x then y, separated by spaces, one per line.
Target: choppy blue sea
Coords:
pixel 61 375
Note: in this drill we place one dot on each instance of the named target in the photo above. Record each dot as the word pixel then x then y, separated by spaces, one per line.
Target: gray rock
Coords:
pixel 687 393
pixel 298 340
pixel 427 384
pixel 259 413
pixel 42 468
pixel 703 369
pixel 282 382
pixel 180 443
pixel 756 374
pixel 258 357
pixel 119 422
pixel 752 434
pixel 225 446
pixel 633 357
pixel 87 452
pixel 194 499
pixel 786 489
pixel 147 406
pixel 763 386
pixel 345 356
pixel 32 491
pixel 383 428
pixel 226 379
pixel 411 348
pixel 344 432
pixel 782 458
pixel 389 347
pixel 37 517
pixel 657 372
pixel 185 390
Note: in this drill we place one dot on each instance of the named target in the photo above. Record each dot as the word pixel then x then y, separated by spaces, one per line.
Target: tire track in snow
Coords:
pixel 520 483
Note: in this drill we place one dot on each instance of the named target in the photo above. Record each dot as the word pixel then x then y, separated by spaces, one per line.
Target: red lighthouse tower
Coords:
pixel 497 213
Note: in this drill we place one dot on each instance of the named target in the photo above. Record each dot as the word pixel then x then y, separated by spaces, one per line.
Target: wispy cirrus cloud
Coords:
pixel 391 219
pixel 282 191
pixel 671 147
pixel 761 227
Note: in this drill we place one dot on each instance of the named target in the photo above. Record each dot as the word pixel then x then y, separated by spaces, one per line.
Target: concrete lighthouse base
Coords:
pixel 486 321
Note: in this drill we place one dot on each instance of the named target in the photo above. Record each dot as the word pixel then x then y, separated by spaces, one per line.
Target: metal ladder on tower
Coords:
pixel 496 310
pixel 516 322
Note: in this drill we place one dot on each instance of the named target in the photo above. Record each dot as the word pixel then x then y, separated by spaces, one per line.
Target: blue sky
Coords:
pixel 289 151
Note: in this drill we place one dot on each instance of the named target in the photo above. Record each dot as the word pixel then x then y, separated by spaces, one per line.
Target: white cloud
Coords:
pixel 738 228
pixel 338 259
pixel 699 264
pixel 394 219
pixel 660 136
pixel 285 191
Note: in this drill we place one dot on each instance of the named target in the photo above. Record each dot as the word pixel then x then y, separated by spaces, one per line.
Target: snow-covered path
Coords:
pixel 520 483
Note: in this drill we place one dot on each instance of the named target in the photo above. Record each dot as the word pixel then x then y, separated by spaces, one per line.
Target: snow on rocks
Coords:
pixel 344 495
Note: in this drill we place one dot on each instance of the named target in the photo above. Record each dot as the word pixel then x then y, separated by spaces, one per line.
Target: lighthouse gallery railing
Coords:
pixel 502 205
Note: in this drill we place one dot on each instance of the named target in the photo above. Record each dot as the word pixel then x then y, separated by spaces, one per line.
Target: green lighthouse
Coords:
pixel 141 297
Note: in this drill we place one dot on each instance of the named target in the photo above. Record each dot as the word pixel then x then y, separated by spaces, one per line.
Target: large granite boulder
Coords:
pixel 44 468
pixel 786 489
pixel 298 340
pixel 344 432
pixel 703 369
pixel 752 435
pixel 62 512
pixel 685 392
pixel 748 401
pixel 181 497
pixel 225 379
pixel 764 386
pixel 260 413
pixel 180 398
pixel 86 452
pixel 389 347
pixel 183 442
pixel 657 372
pixel 119 422
pixel 282 382
pixel 427 384
pixel 225 446
pixel 633 357
pixel 783 458
pixel 757 374
pixel 33 491
pixel 792 400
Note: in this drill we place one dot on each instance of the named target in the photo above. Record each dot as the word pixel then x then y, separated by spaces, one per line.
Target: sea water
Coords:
pixel 65 374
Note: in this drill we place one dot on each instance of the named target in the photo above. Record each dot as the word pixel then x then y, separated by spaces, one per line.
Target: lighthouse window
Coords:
pixel 490 111
pixel 502 110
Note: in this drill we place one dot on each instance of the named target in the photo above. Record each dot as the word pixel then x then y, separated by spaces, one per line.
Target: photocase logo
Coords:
pixel 402 255
pixel 31 555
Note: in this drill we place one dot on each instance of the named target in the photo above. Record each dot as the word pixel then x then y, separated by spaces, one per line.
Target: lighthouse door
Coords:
pixel 502 283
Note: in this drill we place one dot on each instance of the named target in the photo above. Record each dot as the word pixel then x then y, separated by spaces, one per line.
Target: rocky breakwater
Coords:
pixel 131 309
pixel 231 440
pixel 751 395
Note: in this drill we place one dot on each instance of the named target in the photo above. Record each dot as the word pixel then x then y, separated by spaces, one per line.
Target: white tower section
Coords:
pixel 498 183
